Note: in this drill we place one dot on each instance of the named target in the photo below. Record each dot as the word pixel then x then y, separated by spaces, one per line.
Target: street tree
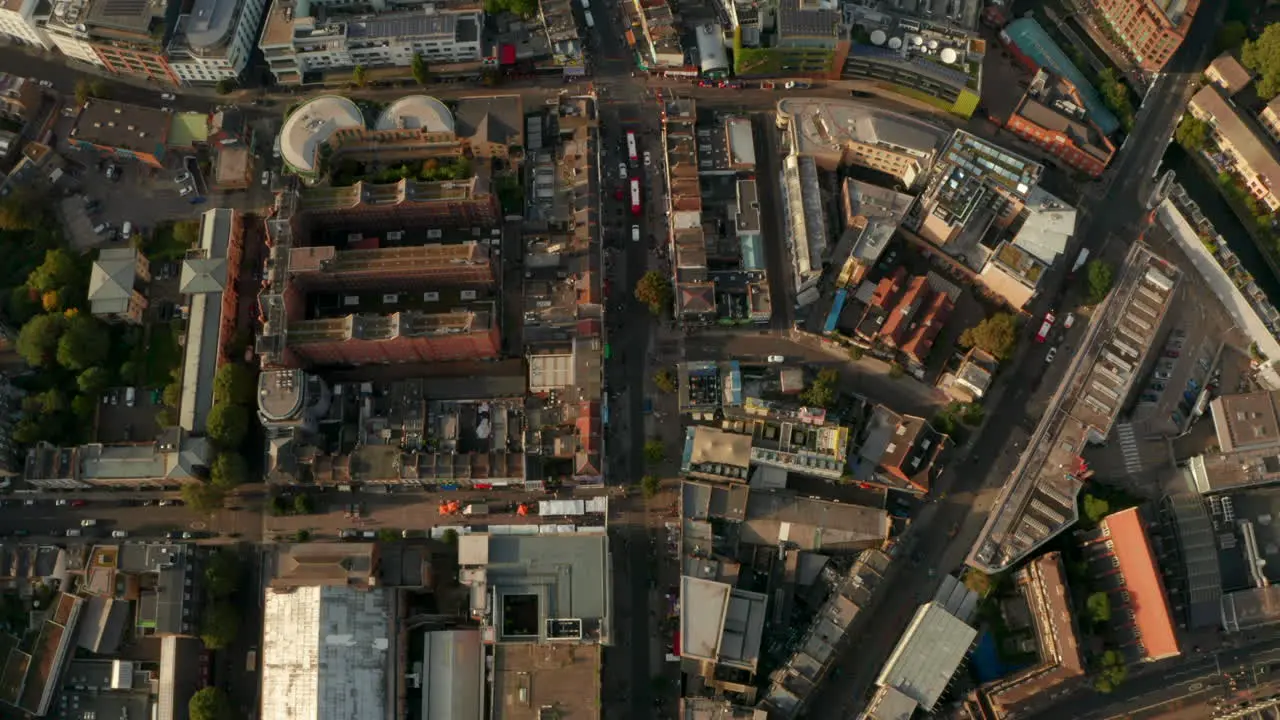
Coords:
pixel 203 497
pixel 1101 277
pixel 1192 133
pixel 359 76
pixel 1098 606
pixel 665 380
pixel 1263 57
pixel 227 424
pixel 222 573
pixel 654 451
pixel 419 67
pixel 209 703
pixel 233 383
pixel 996 334
pixel 84 344
pixel 1095 508
pixel 83 406
pixel 228 470
pixel 650 485
pixel 220 625
pixel 38 339
pixel 654 290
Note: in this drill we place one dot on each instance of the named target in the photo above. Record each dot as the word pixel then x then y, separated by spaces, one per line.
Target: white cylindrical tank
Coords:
pixel 933 44
pixel 895 43
pixel 917 41
pixel 948 56
pixel 878 37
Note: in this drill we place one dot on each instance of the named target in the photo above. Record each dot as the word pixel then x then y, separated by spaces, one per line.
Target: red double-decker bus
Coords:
pixel 635 196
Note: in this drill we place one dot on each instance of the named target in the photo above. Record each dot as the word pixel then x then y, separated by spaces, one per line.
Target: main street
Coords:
pixel 974 476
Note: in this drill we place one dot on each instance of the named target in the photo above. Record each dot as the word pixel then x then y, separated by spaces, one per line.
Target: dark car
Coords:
pixel 174 535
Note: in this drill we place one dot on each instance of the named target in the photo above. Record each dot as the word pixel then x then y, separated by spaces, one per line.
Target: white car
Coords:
pixel 88 523
pixel 168 96
pixel 61 502
pixel 635 233
pixel 648 159
pixel 183 179
pixel 45 84
pixel 266 177
pixel 1069 321
pixel 777 359
pixel 622 171
pixel 1053 353
pixel 185 191
pixel 119 534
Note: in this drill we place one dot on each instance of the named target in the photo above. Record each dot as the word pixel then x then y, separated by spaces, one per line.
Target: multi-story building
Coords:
pixel 1270 118
pixel 214 40
pixel 415 267
pixel 121 36
pixel 1227 73
pixel 296 42
pixel 1251 156
pixel 20 98
pixel 897 451
pixel 808 39
pixel 934 50
pixel 908 313
pixel 403 337
pixel 1150 31
pixel 19 20
pixel 292 400
pixel 114 282
pixel 122 131
pixel 561 28
pixel 1052 115
pixel 842 132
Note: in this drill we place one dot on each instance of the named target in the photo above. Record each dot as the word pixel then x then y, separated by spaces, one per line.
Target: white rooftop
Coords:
pixel 312 124
pixel 416 112
pixel 326 654
pixel 1049 227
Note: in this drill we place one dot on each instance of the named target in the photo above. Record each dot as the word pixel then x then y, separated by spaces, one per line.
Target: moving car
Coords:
pixel 168 96
pixel 777 359
pixel 88 522
pixel 126 230
pixel 113 172
pixel 45 84
pixel 648 159
pixel 1053 353
pixel 119 534
pixel 183 179
pixel 635 233
pixel 1069 320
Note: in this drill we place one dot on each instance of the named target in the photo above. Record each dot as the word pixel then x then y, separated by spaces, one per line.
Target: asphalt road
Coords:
pixel 45 519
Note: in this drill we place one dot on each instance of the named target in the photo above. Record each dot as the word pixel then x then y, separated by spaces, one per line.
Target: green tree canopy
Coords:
pixel 1111 672
pixel 38 339
pixel 84 344
pixel 665 380
pixel 1101 277
pixel 186 233
pixel 228 470
pixel 21 210
pixel 523 8
pixel 303 504
pixel 997 335
pixel 24 303
pixel 203 497
pixel 225 86
pixel 49 402
pixel 1192 133
pixel 359 76
pixel 172 394
pixel 650 485
pixel 654 290
pixel 83 407
pixel 824 390
pixel 227 424
pixel 58 270
pixel 419 67
pixel 1098 605
pixel 1095 508
pixel 1263 57
pixel 654 451
pixel 210 703
pixel 222 573
pixel 234 383
pixel 94 380
pixel 220 625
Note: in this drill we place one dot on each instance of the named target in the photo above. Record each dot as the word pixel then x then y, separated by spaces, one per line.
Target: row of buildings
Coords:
pixel 1243 134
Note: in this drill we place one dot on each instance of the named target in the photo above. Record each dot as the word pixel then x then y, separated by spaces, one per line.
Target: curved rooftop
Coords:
pixel 416 112
pixel 312 124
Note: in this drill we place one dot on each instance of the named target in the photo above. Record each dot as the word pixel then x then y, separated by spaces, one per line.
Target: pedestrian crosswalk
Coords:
pixel 1129 446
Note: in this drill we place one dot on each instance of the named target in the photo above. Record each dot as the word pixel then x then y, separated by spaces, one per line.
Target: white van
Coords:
pixel 591 22
pixel 88 523
pixel 126 230
pixel 129 396
pixel 586 4
pixel 73 533
pixel 635 233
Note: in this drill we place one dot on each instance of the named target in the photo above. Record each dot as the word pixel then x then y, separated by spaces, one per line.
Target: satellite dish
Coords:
pixel 878 37
pixel 916 40
pixel 949 56
pixel 895 43
pixel 933 44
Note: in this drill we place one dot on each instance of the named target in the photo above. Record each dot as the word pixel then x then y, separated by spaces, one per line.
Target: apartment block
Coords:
pixel 1227 73
pixel 325 268
pixel 19 20
pixel 114 284
pixel 214 39
pixel 1149 30
pixel 20 98
pixel 1252 157
pixel 397 338
pixel 121 130
pixel 120 36
pixel 1053 115
pixel 338 37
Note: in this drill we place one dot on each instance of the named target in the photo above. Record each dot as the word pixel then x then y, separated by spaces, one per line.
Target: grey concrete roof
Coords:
pixel 453 676
pixel 928 655
pixel 111 280
pixel 812 524
pixel 573 568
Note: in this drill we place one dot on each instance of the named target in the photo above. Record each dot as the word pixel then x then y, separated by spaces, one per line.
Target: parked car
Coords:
pixel 101 228
pixel 648 159
pixel 1053 353
pixel 119 534
pixel 88 522
pixel 183 179
pixel 777 359
pixel 1157 386
pixel 168 96
pixel 1150 398
pixel 113 172
pixel 1171 353
pixel 1163 375
pixel 1069 320
pixel 126 230
pixel 185 191
pixel 349 534
pixel 266 177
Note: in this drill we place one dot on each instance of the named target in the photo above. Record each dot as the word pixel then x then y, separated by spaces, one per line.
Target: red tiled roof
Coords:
pixel 1147 599
pixel 899 321
pixel 934 316
pixel 888 288
pixel 588 424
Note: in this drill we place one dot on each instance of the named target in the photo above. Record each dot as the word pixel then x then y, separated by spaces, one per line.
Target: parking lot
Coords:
pixel 120 421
